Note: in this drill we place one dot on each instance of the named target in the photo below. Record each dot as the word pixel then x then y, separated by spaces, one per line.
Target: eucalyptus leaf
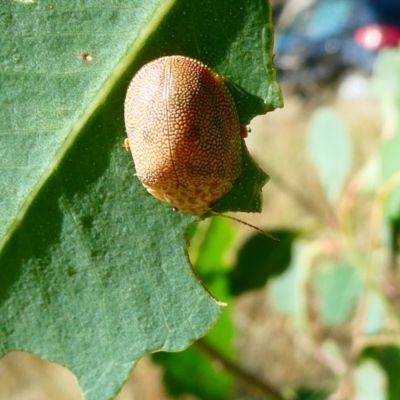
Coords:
pixel 287 292
pixel 213 239
pixel 259 259
pixel 370 381
pixel 93 270
pixel 390 164
pixel 329 149
pixel 338 286
pixel 388 358
pixel 374 315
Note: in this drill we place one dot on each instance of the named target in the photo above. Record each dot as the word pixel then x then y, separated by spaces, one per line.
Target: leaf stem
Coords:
pixel 265 387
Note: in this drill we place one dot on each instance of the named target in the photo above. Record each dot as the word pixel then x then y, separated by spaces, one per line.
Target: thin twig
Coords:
pixel 265 387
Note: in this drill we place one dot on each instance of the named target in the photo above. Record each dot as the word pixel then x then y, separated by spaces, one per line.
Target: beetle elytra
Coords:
pixel 184 133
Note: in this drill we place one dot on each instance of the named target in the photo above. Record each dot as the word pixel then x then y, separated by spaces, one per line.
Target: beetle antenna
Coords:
pixel 270 235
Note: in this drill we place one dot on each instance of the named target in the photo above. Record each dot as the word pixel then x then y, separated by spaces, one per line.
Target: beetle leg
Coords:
pixel 125 145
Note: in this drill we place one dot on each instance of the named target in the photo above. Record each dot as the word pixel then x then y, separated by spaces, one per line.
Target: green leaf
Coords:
pixel 374 314
pixel 211 241
pixel 338 286
pixel 386 82
pixel 329 149
pixel 370 381
pixel 208 247
pixel 58 65
pixel 390 164
pixel 190 372
pixel 212 268
pixel 84 284
pixel 259 259
pixel 389 359
pixel 93 270
pixel 369 175
pixel 309 394
pixel 287 292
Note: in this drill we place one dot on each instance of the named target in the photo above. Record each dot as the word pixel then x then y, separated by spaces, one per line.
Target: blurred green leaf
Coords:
pixel 215 240
pixel 191 372
pixel 93 270
pixel 369 176
pixel 259 259
pixel 330 150
pixel 212 269
pixel 386 84
pixel 395 236
pixel 374 314
pixel 338 286
pixel 209 244
pixel 309 394
pixel 390 164
pixel 287 292
pixel 369 381
pixel 389 359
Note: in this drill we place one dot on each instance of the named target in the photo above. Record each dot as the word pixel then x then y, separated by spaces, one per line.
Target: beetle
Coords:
pixel 183 132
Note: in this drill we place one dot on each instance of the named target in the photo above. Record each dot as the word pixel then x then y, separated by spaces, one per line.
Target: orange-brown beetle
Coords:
pixel 184 133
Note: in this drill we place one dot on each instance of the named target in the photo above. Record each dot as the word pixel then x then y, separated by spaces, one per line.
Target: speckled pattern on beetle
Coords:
pixel 184 133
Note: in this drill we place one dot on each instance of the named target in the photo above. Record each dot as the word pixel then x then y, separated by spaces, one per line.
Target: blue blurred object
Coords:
pixel 328 37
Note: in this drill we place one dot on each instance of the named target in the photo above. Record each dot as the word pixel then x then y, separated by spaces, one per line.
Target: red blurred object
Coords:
pixel 376 37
